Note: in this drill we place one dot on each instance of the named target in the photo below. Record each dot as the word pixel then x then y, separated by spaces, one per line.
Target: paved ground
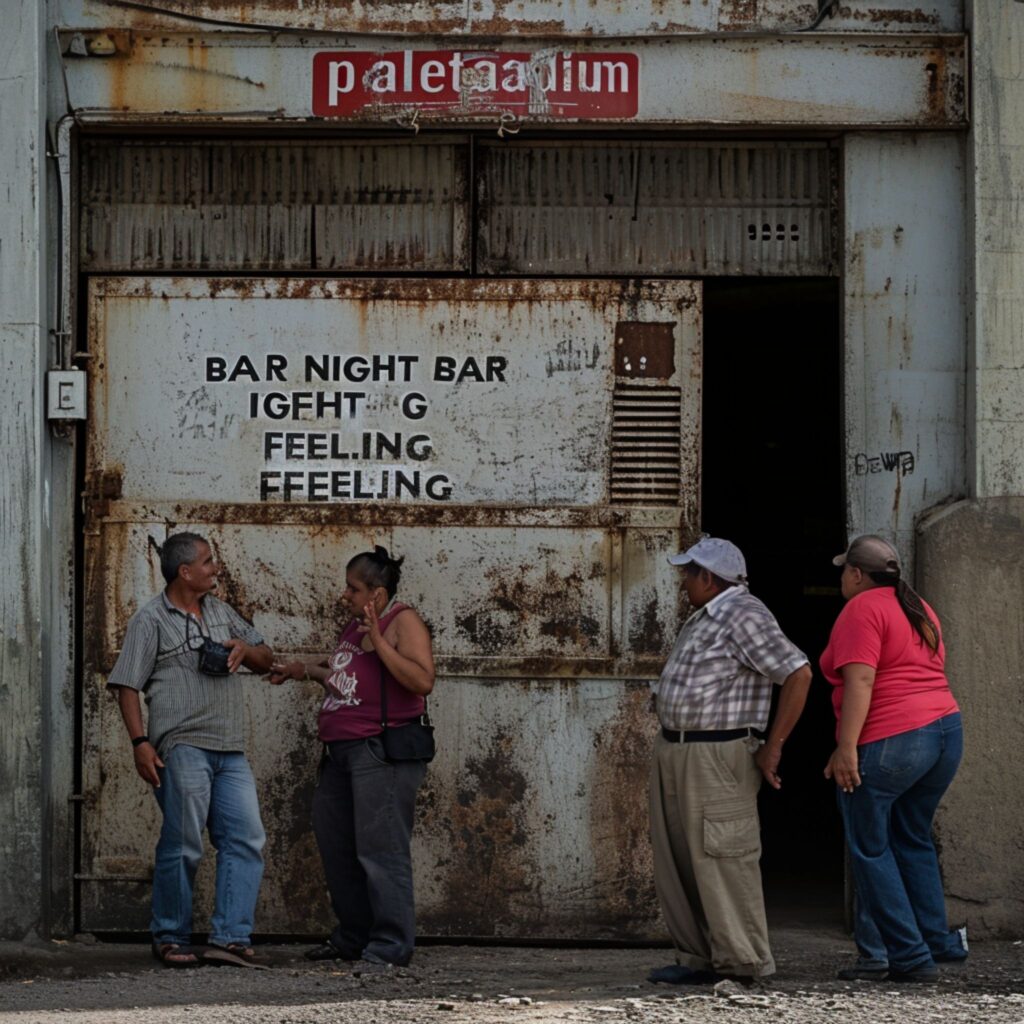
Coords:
pixel 82 983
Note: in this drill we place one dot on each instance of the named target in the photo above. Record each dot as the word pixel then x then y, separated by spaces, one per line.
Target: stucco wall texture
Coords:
pixel 970 569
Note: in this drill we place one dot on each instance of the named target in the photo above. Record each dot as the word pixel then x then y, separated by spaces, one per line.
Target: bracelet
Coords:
pixel 139 740
pixel 307 678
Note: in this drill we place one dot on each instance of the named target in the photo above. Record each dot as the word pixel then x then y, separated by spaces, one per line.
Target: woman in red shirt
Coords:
pixel 364 802
pixel 899 744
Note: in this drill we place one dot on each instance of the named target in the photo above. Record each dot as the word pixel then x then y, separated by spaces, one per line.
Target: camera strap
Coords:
pixel 190 619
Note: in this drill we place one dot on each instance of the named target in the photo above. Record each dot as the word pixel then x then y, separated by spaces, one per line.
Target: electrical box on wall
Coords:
pixel 65 395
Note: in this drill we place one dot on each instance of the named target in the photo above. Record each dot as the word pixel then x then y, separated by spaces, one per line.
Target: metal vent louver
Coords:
pixel 646 437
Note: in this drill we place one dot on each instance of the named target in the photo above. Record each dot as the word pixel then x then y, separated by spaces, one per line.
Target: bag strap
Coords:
pixel 424 717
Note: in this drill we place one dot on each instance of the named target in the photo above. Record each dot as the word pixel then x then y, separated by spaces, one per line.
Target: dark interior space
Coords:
pixel 772 477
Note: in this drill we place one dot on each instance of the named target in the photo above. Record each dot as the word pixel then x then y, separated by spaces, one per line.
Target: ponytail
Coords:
pixel 912 605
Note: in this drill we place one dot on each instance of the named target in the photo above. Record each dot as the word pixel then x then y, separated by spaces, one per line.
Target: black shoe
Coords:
pixel 926 974
pixel 373 965
pixel 677 974
pixel 863 974
pixel 328 951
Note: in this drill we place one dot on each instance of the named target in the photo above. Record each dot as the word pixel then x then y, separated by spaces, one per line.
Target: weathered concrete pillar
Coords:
pixel 971 555
pixel 23 340
pixel 971 567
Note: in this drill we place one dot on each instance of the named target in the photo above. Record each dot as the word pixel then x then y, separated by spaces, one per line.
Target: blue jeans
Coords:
pixel 901 908
pixel 199 789
pixel 363 811
pixel 871 951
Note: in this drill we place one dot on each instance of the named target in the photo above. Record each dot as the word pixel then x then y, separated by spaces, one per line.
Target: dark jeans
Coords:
pixel 888 822
pixel 362 816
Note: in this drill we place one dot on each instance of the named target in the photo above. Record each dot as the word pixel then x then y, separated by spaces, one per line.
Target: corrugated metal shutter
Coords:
pixel 657 208
pixel 259 205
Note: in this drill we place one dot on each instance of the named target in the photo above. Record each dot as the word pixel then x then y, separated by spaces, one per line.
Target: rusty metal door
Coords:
pixel 531 448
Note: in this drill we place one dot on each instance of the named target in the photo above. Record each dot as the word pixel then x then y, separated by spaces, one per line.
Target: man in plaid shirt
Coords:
pixel 713 700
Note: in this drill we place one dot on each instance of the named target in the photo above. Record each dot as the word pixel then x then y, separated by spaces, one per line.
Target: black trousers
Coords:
pixel 363 810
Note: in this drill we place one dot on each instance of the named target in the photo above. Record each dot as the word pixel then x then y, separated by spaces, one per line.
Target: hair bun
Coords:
pixel 381 553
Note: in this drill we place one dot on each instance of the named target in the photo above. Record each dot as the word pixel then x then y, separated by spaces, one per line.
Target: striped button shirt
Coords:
pixel 160 658
pixel 720 672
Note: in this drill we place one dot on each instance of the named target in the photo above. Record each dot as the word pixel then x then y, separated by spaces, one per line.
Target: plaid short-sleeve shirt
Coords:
pixel 160 658
pixel 725 660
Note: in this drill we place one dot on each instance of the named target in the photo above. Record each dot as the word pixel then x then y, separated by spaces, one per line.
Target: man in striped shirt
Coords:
pixel 192 751
pixel 713 701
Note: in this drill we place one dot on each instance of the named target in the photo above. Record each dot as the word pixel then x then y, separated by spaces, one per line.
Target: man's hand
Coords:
pixel 146 763
pixel 239 652
pixel 843 767
pixel 767 759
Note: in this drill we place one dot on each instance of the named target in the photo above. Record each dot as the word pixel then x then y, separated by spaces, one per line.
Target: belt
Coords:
pixel 709 735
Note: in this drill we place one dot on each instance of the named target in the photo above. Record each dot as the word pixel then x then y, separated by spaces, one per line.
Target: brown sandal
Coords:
pixel 235 954
pixel 166 951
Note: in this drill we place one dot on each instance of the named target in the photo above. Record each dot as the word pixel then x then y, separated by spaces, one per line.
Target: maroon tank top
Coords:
pixel 351 705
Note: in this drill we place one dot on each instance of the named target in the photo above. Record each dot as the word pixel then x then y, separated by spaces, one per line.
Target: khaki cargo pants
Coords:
pixel 706 839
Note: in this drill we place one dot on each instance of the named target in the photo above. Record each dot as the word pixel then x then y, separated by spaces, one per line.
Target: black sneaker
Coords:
pixel 926 974
pixel 863 974
pixel 328 951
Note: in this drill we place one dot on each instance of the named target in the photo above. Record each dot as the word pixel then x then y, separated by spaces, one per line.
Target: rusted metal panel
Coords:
pixel 549 606
pixel 224 205
pixel 470 373
pixel 786 80
pixel 658 208
pixel 533 821
pixel 522 18
pixel 905 330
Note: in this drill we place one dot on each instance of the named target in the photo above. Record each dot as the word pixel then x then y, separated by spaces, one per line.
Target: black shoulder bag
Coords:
pixel 413 741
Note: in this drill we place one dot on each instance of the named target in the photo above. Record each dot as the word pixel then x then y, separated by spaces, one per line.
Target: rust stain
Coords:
pixel 492 885
pixel 497 622
pixel 888 16
pixel 232 590
pixel 618 819
pixel 934 91
pixel 646 633
pixel 737 15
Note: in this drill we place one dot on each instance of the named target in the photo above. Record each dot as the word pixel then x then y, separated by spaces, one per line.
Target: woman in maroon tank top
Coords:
pixel 364 804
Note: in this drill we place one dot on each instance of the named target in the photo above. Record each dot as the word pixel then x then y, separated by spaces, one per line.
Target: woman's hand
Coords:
pixel 371 624
pixel 281 671
pixel 842 766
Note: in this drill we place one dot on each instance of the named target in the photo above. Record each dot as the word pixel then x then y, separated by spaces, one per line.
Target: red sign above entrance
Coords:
pixel 555 83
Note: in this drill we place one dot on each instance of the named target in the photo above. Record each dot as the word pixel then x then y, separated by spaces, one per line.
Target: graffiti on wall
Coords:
pixel 901 463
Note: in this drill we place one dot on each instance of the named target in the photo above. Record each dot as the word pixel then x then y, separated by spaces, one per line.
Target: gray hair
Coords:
pixel 178 550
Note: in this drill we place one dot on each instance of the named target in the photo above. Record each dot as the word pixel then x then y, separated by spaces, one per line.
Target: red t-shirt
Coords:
pixel 351 705
pixel 911 689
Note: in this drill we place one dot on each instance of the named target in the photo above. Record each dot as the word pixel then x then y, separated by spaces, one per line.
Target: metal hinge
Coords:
pixel 101 487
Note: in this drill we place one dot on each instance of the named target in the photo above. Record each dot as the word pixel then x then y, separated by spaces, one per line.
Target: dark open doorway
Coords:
pixel 772 482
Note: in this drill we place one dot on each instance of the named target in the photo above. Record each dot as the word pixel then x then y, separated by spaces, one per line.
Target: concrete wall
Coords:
pixel 905 328
pixel 971 570
pixel 22 429
pixel 996 191
pixel 971 555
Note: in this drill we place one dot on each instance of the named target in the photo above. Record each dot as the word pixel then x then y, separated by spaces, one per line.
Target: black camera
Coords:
pixel 213 658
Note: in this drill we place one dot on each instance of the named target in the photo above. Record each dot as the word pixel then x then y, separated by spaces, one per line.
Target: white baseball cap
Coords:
pixel 721 557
